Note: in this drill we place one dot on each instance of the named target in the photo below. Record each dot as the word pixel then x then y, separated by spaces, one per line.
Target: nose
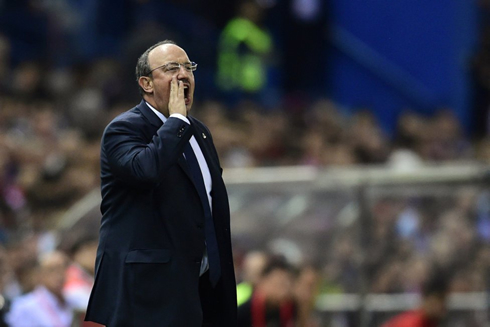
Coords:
pixel 182 72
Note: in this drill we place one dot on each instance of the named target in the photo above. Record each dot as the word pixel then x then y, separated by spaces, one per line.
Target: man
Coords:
pixel 432 310
pixel 244 52
pixel 305 290
pixel 271 303
pixel 45 306
pixel 253 265
pixel 164 255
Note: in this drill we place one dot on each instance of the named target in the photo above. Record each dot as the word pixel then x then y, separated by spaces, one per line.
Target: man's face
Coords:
pixel 277 286
pixel 53 273
pixel 161 78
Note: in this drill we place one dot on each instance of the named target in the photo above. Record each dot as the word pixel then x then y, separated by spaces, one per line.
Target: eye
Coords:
pixel 173 67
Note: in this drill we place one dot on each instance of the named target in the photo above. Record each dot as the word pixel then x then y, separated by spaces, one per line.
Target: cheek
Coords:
pixel 162 86
pixel 162 94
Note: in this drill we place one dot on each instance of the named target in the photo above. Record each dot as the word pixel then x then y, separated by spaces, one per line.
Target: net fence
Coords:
pixel 375 233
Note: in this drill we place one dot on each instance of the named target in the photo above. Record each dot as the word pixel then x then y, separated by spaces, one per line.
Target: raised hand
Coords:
pixel 176 102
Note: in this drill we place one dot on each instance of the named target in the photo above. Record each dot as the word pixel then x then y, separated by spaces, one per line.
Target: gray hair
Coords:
pixel 143 66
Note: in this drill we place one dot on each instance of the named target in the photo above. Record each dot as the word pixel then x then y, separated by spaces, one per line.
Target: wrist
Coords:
pixel 181 117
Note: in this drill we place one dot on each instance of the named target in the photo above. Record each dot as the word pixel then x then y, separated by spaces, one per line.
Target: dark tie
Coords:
pixel 209 233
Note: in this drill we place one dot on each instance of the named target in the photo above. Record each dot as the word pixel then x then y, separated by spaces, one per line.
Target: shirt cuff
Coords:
pixel 181 117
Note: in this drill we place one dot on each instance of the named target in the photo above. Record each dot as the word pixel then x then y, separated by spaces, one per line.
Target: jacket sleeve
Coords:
pixel 135 160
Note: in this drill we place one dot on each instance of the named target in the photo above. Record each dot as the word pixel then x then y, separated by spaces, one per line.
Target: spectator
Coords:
pixel 22 261
pixel 253 265
pixel 271 303
pixel 80 273
pixel 433 308
pixel 305 291
pixel 45 306
pixel 243 52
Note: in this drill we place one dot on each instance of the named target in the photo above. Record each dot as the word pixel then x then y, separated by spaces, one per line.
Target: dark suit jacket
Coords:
pixel 152 228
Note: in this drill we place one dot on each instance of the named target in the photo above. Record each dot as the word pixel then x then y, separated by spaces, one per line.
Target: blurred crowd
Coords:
pixel 407 234
pixel 51 122
pixel 50 144
pixel 51 119
pixel 53 112
pixel 412 232
pixel 42 286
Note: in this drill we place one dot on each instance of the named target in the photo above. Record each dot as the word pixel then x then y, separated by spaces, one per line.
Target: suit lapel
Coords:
pixel 185 167
pixel 206 148
pixel 183 164
pixel 149 114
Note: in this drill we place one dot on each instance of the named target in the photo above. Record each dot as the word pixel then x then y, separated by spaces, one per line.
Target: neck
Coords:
pixel 58 295
pixel 60 298
pixel 152 103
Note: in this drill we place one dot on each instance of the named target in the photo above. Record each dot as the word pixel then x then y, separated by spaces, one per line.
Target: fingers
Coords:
pixel 181 91
pixel 173 86
pixel 176 88
pixel 176 102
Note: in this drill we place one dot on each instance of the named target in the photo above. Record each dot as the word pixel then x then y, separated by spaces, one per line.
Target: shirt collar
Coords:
pixel 158 113
pixel 48 296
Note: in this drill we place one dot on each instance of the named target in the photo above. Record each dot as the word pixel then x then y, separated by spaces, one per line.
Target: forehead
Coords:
pixel 166 53
pixel 53 263
pixel 279 274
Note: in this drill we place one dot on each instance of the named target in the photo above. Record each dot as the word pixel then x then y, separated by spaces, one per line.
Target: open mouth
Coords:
pixel 186 92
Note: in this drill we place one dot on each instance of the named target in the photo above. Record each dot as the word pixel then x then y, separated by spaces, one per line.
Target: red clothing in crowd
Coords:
pixel 257 313
pixel 411 319
pixel 77 292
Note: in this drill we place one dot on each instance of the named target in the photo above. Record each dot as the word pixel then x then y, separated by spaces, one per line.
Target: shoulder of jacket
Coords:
pixel 131 114
pixel 198 123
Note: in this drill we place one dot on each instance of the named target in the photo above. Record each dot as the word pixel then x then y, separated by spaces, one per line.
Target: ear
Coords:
pixel 146 84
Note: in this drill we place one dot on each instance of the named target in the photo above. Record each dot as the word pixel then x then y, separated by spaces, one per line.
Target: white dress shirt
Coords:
pixel 206 175
pixel 39 308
